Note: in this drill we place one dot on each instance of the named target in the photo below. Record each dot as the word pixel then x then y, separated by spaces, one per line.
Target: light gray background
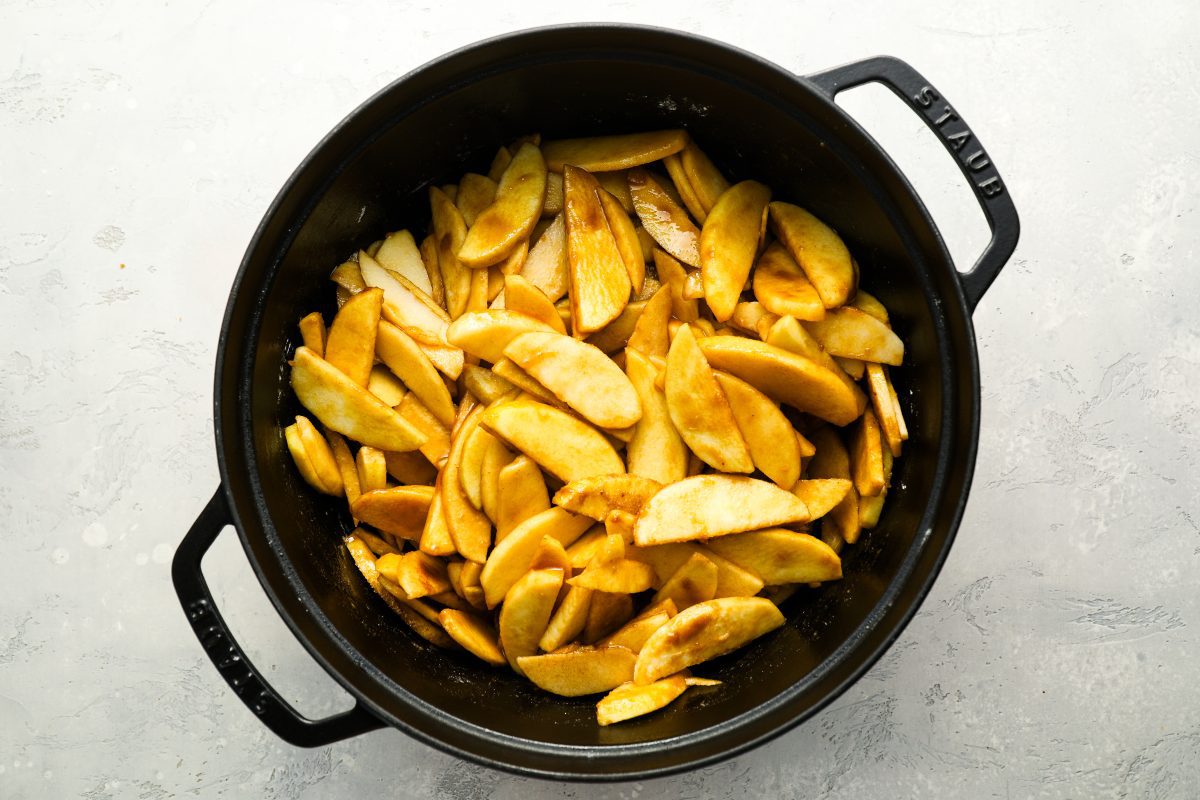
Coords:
pixel 1055 657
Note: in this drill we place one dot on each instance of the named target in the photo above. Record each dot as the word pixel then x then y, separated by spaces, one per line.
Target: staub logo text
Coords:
pixel 961 140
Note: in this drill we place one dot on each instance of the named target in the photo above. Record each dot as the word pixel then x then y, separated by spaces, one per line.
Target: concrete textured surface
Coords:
pixel 1057 654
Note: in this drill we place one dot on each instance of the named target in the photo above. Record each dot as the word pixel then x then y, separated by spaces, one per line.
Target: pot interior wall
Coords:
pixel 382 187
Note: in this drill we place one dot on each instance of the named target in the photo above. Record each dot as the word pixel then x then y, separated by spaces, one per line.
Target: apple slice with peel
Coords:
pixel 786 377
pixel 405 358
pixel 596 496
pixel 547 264
pixel 879 387
pixel 469 527
pixel 703 632
pixel 580 375
pixel 822 495
pixel 351 343
pixel 650 334
pixel 520 194
pixel 436 446
pixel 851 333
pixel 732 580
pixel 782 287
pixel 664 219
pixel 818 250
pixel 521 494
pixel 729 244
pixel 569 619
pixel 699 408
pixel 450 231
pixel 314 457
pixel 630 700
pixel 523 297
pixel 634 633
pixel 399 253
pixel 866 454
pixel 706 181
pixel 598 279
pixel 705 506
pixel 475 635
pixel 564 446
pixel 400 511
pixel 769 435
pixel 656 451
pixel 526 613
pixel 475 193
pixel 344 406
pixel 788 334
pixel 513 555
pixel 580 672
pixel 781 556
pixel 485 334
pixel 610 153
pixel 625 235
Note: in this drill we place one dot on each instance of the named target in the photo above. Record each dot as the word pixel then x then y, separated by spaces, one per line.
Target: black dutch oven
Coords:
pixel 755 120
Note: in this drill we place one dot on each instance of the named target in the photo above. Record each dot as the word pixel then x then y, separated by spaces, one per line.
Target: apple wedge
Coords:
pixel 470 470
pixel 485 334
pixel 699 408
pixel 475 635
pixel 666 559
pixel 607 612
pixel 553 203
pixel 664 219
pixel 313 333
pixel 650 334
pixel 371 466
pixel 344 406
pixel 851 333
pixel 569 619
pixel 405 358
pixel 420 574
pixel 729 244
pixel 610 153
pixel 625 235
pixel 703 632
pixel 351 344
pixel 781 556
pixel 580 375
pixel 656 451
pixel 868 304
pixel 819 251
pixel 399 253
pixel 782 287
pixel 598 282
pixel 705 506
pixel 513 555
pixel 879 388
pixel 684 187
pixel 596 496
pixel 630 700
pixel 547 265
pixel 450 231
pixel 615 335
pixel 400 511
pixel 506 369
pixel 633 634
pixel 694 582
pixel 822 495
pixel 564 446
pixel 832 460
pixel 674 277
pixel 475 193
pixel 706 181
pixel 579 672
pixel 469 527
pixel 523 297
pixel 769 435
pixel 788 334
pixel 520 194
pixel 866 456
pixel 435 536
pixel 496 457
pixel 526 613
pixel 364 559
pixel 785 377
pixel 345 465
pixel 384 384
pixel 484 384
pixel 314 457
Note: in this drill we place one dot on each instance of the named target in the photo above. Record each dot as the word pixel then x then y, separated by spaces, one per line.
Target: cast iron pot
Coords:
pixel 370 174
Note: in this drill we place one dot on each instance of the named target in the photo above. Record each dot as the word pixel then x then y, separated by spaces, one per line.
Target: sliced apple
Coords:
pixel 475 193
pixel 666 559
pixel 700 410
pixel 630 700
pixel 485 334
pixel 400 254
pixel 469 527
pixel 788 334
pixel 598 280
pixel 607 612
pixel 819 251
pixel 705 506
pixel 526 613
pixel 633 634
pixel 703 632
pixel 822 495
pixel 523 297
pixel 400 511
pixel 786 377
pixel 674 276
pixel 547 265
pixel 694 582
pixel 564 446
pixel 569 619
pixel 348 276
pixel 346 407
pixel 870 508
pixel 650 333
pixel 351 344
pixel 470 470
pixel 485 384
pixel 879 388
pixel 553 203
pixel 596 496
pixel 365 561
pixel 371 465
pixel 551 555
pixel 405 358
pixel 851 333
pixel 580 552
pixel 656 451
pixel 868 304
pixel 866 456
pixel 520 194
pixel 580 375
pixel 313 333
pixel 620 523
pixel 616 183
pixel 474 634
pixel 625 235
pixel 345 465
pixel 579 672
pixel 436 447
pixel 610 571
pixel 384 384
pixel 729 244
pixel 781 556
pixel 769 435
pixel 664 219
pixel 615 335
pixel 450 231
pixel 495 458
pixel 506 369
pixel 314 457
pixel 706 181
pixel 750 317
pixel 420 575
pixel 435 535
pixel 852 366
pixel 429 258
pixel 782 287
pixel 512 555
pixel 684 187
pixel 832 460
pixel 609 153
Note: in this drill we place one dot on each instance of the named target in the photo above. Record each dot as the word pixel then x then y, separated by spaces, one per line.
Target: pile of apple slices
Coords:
pixel 559 420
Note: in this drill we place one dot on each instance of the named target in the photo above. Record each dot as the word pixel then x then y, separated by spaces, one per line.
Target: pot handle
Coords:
pixel 216 638
pixel 959 140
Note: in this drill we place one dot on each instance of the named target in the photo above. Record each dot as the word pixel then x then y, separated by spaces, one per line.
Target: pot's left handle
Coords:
pixel 216 638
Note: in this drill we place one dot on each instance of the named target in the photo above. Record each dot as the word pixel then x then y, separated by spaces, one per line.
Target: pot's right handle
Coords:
pixel 218 642
pixel 959 140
